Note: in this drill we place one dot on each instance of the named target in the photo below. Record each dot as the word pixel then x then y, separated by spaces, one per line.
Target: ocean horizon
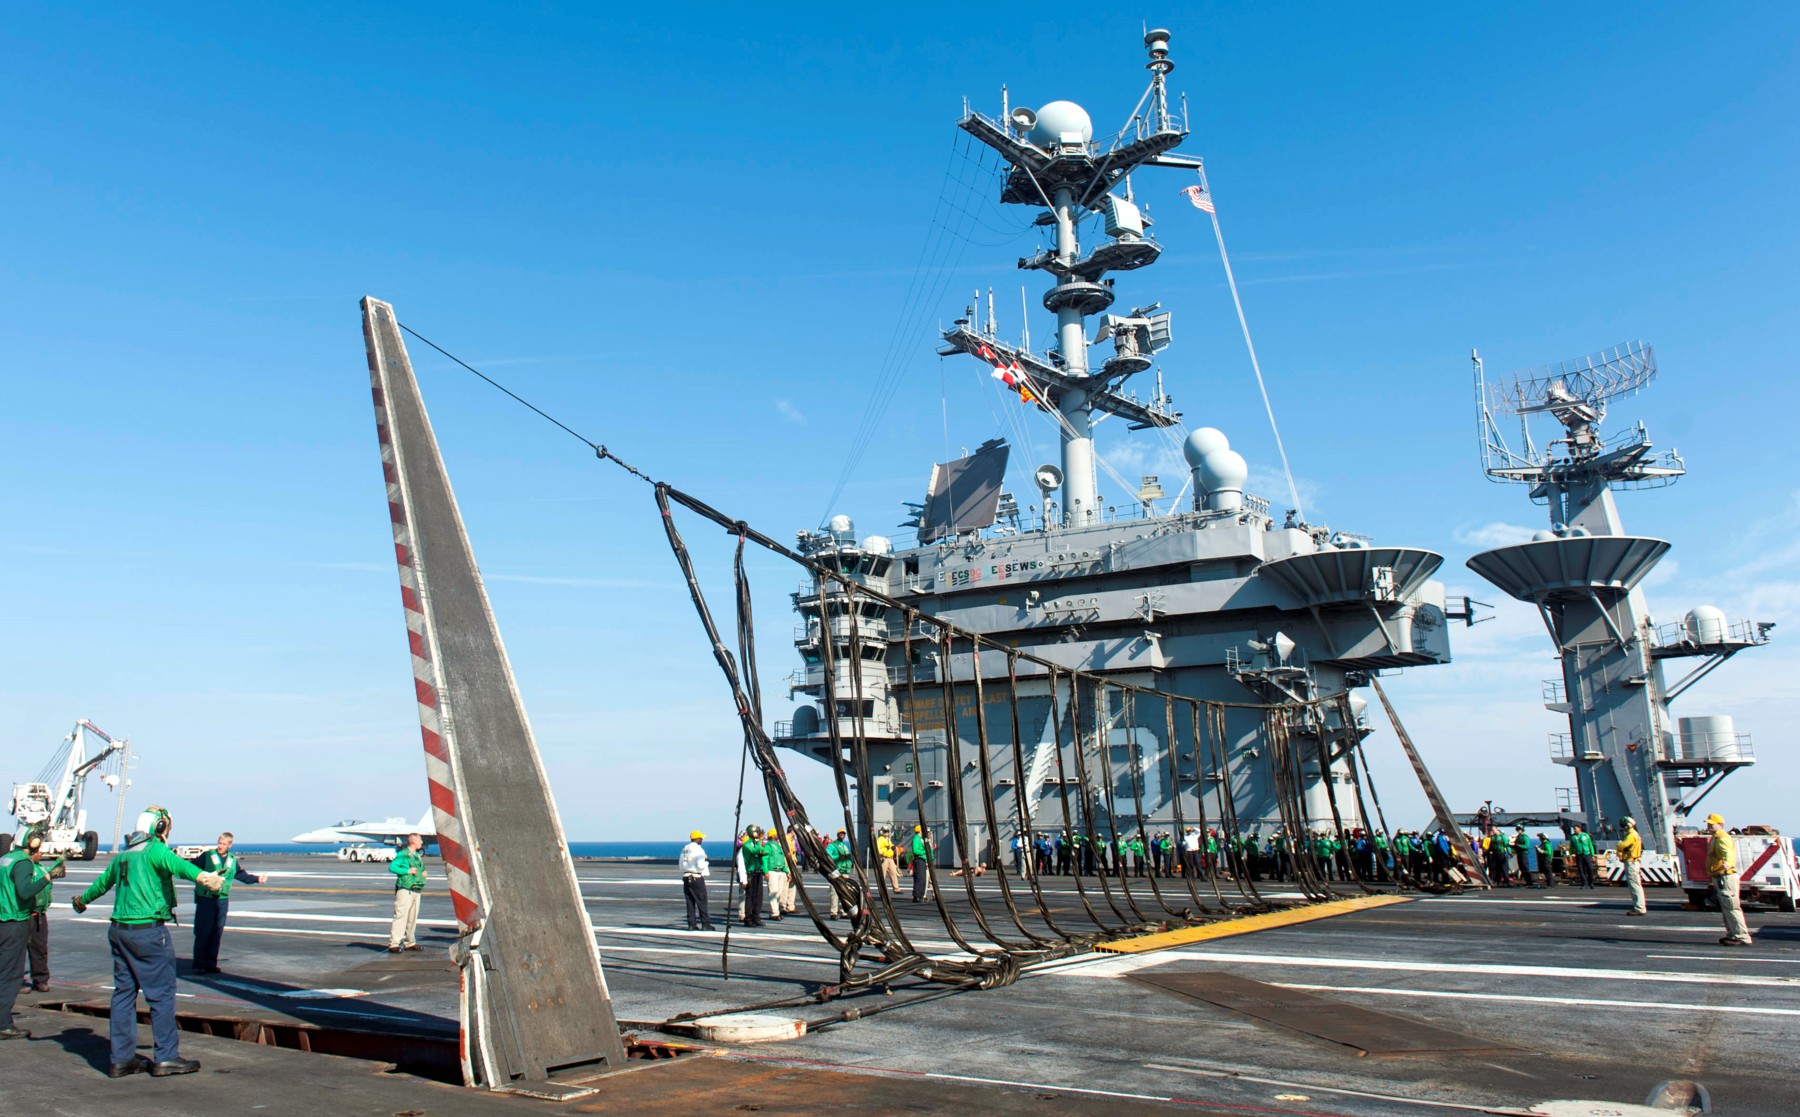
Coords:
pixel 617 851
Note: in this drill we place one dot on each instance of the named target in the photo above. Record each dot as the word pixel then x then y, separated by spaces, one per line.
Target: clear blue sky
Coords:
pixel 693 237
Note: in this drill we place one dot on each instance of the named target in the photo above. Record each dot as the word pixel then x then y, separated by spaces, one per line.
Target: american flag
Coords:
pixel 1202 200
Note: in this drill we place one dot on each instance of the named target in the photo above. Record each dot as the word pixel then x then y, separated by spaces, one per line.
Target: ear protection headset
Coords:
pixel 155 822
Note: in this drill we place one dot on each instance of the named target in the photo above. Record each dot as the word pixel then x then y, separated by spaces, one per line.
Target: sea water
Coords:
pixel 610 851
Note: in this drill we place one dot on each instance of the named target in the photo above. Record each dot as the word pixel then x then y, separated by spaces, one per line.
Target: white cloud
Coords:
pixel 1271 483
pixel 790 412
pixel 1498 533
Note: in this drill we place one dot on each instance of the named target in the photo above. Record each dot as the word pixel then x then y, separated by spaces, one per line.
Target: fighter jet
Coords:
pixel 392 831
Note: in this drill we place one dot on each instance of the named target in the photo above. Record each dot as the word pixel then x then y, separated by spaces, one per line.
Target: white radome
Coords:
pixel 1057 118
pixel 1202 442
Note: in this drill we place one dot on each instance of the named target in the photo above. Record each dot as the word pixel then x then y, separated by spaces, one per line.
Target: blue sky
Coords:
pixel 693 239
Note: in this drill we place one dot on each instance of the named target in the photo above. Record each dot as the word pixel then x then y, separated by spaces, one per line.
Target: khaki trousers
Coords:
pixel 890 872
pixel 1725 888
pixel 406 917
pixel 781 893
pixel 1634 880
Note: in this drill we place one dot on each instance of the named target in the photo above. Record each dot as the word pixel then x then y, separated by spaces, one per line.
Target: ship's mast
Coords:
pixel 1081 492
pixel 1057 165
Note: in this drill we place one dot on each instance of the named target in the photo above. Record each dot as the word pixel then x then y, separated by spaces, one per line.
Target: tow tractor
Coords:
pixel 54 802
pixel 1766 870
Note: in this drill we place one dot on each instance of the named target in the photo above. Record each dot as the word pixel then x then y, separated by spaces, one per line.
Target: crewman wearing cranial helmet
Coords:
pixel 24 896
pixel 143 951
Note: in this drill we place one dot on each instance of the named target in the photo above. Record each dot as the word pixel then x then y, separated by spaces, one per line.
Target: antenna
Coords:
pixel 1576 464
pixel 991 328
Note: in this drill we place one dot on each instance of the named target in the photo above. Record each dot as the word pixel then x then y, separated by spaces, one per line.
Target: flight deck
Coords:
pixel 1498 1001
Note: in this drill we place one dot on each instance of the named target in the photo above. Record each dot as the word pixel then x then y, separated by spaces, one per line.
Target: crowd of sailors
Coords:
pixel 765 863
pixel 1352 853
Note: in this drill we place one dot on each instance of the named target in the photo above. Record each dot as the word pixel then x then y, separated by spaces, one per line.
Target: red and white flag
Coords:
pixel 1202 200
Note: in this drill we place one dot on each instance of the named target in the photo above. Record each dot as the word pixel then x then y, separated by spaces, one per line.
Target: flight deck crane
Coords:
pixel 54 802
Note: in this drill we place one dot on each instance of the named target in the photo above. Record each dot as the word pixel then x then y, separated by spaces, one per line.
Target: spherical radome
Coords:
pixel 1224 471
pixel 1705 624
pixel 841 525
pixel 1202 442
pixel 878 545
pixel 1058 117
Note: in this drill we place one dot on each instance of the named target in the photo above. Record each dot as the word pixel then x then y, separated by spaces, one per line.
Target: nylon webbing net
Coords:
pixel 1115 768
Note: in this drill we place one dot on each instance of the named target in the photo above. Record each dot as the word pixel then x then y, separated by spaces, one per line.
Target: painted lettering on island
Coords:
pixel 996 572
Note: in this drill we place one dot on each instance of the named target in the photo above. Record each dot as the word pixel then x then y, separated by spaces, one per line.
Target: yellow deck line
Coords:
pixel 1225 928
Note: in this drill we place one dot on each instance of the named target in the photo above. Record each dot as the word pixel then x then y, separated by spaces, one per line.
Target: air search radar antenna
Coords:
pixel 1574 394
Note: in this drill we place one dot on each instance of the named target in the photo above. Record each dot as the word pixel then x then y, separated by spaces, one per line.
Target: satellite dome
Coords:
pixel 840 525
pixel 1542 536
pixel 1223 471
pixel 1203 442
pixel 878 545
pixel 1705 624
pixel 1058 117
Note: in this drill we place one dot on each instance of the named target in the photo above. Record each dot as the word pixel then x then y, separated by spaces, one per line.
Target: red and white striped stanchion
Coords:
pixel 452 843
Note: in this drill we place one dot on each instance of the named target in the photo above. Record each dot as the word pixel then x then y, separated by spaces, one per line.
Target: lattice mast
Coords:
pixel 1058 165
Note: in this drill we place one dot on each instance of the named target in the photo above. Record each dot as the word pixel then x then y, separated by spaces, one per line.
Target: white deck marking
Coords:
pixel 1718 930
pixel 1577 1001
pixel 1722 957
pixel 1120 966
pixel 1234 1076
pixel 605 947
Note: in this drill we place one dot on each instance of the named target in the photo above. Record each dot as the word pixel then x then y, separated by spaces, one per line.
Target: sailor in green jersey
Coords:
pixel 921 860
pixel 1521 851
pixel 211 907
pixel 750 875
pixel 843 863
pixel 1582 844
pixel 778 873
pixel 1381 856
pixel 37 947
pixel 1544 860
pixel 143 951
pixel 408 867
pixel 24 897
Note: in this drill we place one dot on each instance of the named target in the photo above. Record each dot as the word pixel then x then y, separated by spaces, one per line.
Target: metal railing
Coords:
pixel 1675 634
pixel 1562 748
pixel 876 726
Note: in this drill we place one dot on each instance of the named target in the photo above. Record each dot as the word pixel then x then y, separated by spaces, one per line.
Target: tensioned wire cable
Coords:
pixel 1244 324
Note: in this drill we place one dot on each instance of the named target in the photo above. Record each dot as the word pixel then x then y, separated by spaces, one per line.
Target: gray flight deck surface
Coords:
pixel 1604 1007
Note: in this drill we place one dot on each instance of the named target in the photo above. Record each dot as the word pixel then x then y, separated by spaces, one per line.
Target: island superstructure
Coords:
pixel 1211 597
pixel 1584 572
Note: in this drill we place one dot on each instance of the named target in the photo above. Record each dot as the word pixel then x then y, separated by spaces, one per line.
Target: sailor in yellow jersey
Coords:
pixel 1721 866
pixel 1630 851
pixel 890 868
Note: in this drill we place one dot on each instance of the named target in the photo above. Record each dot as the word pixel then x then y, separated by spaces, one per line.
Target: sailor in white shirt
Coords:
pixel 694 868
pixel 1190 852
